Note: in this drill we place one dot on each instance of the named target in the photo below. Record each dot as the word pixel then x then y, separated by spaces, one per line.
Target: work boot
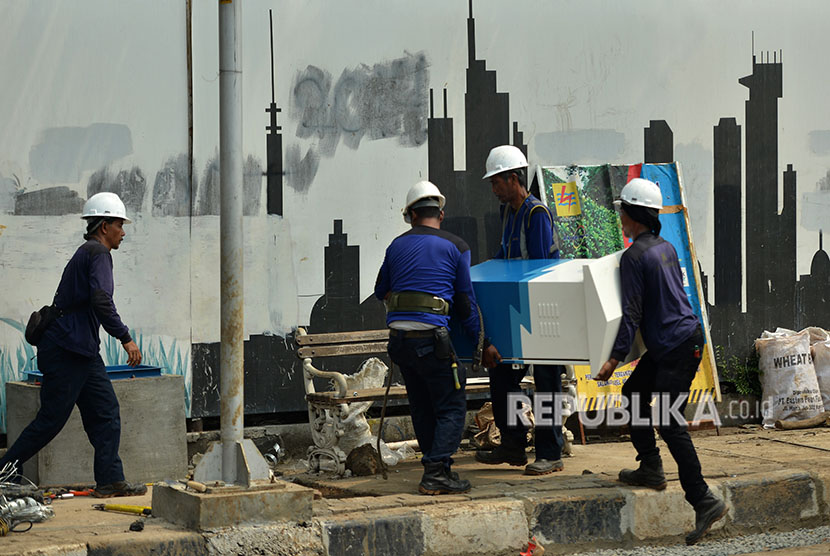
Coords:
pixel 437 479
pixel 501 454
pixel 119 488
pixel 544 466
pixel 707 512
pixel 649 474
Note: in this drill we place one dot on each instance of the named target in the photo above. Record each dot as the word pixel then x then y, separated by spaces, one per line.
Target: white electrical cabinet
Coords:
pixel 564 311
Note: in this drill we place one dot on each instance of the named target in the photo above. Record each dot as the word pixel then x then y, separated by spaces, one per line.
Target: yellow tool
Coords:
pixel 125 508
pixel 455 375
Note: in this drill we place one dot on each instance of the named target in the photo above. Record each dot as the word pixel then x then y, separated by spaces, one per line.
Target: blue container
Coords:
pixel 115 372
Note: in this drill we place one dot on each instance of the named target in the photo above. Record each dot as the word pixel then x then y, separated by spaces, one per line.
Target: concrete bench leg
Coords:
pixel 326 429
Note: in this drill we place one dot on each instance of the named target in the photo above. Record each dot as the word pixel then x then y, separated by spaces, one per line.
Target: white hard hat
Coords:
pixel 105 204
pixel 642 193
pixel 504 158
pixel 423 194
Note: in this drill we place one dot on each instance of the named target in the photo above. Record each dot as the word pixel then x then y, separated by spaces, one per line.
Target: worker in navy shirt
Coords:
pixel 424 277
pixel 528 232
pixel 653 301
pixel 68 354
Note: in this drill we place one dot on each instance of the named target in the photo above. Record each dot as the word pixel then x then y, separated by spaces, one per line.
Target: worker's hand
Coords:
pixel 607 370
pixel 491 357
pixel 133 355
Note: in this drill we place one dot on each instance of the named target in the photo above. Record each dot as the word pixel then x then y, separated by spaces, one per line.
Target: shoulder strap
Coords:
pixel 534 204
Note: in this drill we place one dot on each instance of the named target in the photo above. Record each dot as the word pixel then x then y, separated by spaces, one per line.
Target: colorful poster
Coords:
pixel 595 231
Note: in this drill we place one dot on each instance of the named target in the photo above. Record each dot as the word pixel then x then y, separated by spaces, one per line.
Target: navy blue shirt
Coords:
pixel 534 220
pixel 85 293
pixel 653 298
pixel 431 261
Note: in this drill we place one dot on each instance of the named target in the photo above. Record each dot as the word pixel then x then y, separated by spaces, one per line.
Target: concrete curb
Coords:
pixel 598 514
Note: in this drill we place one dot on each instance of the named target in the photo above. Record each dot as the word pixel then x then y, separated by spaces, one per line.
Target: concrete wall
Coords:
pixel 125 98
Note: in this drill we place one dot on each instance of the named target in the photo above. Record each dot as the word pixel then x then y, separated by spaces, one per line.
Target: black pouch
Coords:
pixel 443 349
pixel 39 322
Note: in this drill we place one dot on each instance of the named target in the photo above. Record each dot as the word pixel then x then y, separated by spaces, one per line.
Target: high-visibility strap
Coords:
pixel 417 302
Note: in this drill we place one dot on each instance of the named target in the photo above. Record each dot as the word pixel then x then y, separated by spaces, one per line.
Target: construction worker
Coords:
pixel 528 232
pixel 425 275
pixel 653 301
pixel 68 353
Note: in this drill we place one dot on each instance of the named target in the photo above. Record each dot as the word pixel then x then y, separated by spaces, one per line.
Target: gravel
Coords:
pixel 735 545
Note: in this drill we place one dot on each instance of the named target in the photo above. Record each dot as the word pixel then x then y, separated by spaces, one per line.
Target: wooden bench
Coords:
pixel 330 412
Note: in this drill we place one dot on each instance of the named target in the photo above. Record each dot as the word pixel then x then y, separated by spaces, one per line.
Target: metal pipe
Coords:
pixel 230 228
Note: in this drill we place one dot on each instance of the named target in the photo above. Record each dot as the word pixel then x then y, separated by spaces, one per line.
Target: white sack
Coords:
pixel 821 361
pixel 788 378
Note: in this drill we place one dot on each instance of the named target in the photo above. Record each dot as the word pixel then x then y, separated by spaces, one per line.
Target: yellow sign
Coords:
pixel 593 395
pixel 566 198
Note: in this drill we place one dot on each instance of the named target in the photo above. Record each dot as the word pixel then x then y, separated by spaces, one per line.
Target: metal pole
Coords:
pixel 230 228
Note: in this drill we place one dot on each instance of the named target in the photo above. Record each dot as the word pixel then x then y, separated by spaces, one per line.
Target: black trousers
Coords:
pixel 504 380
pixel 438 409
pixel 669 378
pixel 71 379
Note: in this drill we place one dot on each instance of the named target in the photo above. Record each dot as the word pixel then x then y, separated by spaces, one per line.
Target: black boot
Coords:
pixel 502 454
pixel 707 512
pixel 649 474
pixel 438 479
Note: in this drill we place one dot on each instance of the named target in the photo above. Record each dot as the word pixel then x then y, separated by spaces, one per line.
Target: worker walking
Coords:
pixel 528 232
pixel 653 301
pixel 426 275
pixel 68 353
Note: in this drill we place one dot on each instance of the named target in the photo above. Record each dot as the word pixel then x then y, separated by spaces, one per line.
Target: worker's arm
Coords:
pixel 100 293
pixel 464 299
pixel 539 235
pixel 382 283
pixel 631 281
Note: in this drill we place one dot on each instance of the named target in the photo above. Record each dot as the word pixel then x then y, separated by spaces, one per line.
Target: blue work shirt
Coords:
pixel 534 220
pixel 85 293
pixel 653 298
pixel 432 261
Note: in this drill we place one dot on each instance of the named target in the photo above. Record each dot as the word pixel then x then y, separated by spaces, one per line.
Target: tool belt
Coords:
pixel 417 302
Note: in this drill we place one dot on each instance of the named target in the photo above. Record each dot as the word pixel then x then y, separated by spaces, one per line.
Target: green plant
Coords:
pixel 742 372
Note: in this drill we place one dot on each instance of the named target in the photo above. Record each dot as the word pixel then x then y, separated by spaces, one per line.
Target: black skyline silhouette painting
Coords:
pixel 775 295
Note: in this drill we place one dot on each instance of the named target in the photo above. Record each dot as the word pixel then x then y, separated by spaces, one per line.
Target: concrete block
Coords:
pixel 656 514
pixel 591 515
pixel 484 527
pixel 172 543
pixel 782 497
pixel 229 506
pixel 386 532
pixel 153 433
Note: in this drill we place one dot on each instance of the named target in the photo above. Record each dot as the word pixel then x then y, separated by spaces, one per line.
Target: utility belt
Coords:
pixel 440 336
pixel 417 302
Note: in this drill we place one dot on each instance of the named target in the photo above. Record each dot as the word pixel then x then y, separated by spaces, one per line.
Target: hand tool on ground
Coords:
pixel 124 508
pixel 195 485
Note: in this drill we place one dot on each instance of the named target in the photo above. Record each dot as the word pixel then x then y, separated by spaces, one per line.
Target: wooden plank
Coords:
pixel 343 349
pixel 342 337
pixel 376 394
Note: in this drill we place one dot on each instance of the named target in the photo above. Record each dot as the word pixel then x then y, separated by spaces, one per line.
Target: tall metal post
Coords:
pixel 230 229
pixel 233 460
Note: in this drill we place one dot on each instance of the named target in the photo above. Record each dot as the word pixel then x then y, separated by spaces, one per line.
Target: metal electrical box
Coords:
pixel 565 311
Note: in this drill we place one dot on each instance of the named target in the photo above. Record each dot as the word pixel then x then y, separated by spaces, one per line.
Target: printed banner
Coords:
pixel 593 230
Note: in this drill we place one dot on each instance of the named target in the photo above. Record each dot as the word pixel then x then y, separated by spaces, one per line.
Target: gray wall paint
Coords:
pixel 588 146
pixel 64 153
pixel 51 201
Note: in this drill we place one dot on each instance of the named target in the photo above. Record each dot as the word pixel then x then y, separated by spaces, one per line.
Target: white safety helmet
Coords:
pixel 105 204
pixel 504 158
pixel 641 192
pixel 422 194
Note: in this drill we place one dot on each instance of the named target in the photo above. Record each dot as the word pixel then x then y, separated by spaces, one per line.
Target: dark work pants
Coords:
pixel 438 409
pixel 70 379
pixel 669 378
pixel 504 379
